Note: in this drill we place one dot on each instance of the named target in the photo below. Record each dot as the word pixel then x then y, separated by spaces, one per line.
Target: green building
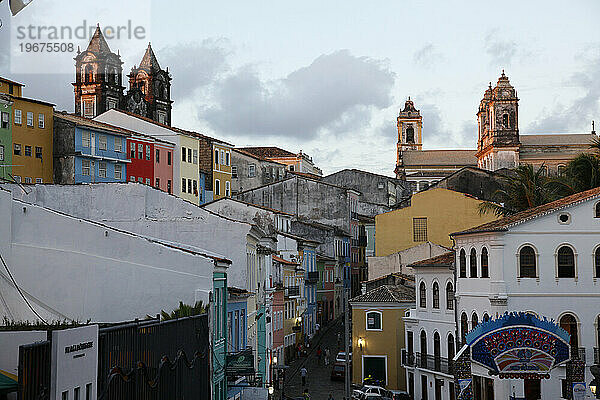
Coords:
pixel 5 137
pixel 219 331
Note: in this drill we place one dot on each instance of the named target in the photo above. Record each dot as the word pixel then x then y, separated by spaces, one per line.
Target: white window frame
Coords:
pixel 41 121
pixel 102 142
pixel 148 153
pixel 30 118
pixel 100 169
pixel 227 158
pixel 1 152
pixel 85 167
pixel 27 179
pixel 86 137
pixel 367 312
pixel 575 276
pixel 18 117
pixel 118 171
pixel 148 182
pixel 251 171
pixel 217 188
pixel 195 156
pixel 39 180
pixel 227 188
pixel 118 144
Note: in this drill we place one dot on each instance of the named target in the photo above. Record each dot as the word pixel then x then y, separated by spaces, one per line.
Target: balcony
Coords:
pixel 292 291
pixel 312 277
pixel 428 361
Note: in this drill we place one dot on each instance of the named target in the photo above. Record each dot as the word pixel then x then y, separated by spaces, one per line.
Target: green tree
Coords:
pixel 582 173
pixel 521 188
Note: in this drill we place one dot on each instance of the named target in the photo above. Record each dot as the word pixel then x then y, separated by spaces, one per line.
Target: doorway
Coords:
pixel 533 389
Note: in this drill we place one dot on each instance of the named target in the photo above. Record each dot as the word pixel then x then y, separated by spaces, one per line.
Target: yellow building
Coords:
pixel 221 170
pixel 32 138
pixel 293 281
pixel 432 215
pixel 188 168
pixel 378 334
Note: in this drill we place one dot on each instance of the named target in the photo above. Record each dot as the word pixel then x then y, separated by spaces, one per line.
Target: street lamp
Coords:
pixel 361 342
pixel 275 360
pixel 271 390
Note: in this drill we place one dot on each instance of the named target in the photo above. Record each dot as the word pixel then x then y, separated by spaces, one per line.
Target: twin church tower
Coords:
pixel 98 83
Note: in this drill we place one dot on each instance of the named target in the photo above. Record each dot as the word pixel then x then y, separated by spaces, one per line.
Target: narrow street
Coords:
pixel 318 383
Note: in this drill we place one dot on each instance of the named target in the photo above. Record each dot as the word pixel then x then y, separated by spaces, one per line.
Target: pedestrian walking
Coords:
pixel 305 395
pixel 330 397
pixel 303 372
pixel 319 354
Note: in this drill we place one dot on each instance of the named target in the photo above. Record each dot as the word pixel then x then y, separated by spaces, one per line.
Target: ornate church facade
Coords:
pixel 499 144
pixel 99 87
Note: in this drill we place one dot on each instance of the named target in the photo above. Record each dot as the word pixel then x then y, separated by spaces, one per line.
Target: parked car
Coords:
pixel 341 357
pixel 372 392
pixel 338 372
pixel 402 396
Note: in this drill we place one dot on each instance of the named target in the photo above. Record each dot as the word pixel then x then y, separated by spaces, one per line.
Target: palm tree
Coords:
pixel 184 310
pixel 595 144
pixel 582 173
pixel 522 188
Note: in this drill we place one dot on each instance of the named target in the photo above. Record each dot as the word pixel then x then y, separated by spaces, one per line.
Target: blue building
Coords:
pixel 309 263
pixel 202 193
pixel 237 328
pixel 87 151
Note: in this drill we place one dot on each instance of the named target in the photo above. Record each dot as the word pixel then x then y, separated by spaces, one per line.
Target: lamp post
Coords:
pixel 361 343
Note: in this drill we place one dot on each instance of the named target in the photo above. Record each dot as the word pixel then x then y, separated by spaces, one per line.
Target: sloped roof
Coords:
pixel 387 294
pixel 98 43
pixel 557 139
pixel 250 154
pixel 223 199
pixel 503 224
pixel 269 151
pixel 284 261
pixel 90 123
pixel 9 81
pixel 149 60
pixel 439 158
pixel 443 260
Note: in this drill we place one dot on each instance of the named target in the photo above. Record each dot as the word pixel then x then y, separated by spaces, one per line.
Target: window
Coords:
pixel 5 122
pixel 38 152
pixel 157 156
pixel 189 186
pixel 189 155
pixel 464 327
pixel 148 181
pixel 85 139
pixel 195 157
pixel 486 317
pixel 217 187
pixel 76 393
pixel 140 151
pixel 118 144
pixel 41 121
pixel 88 108
pixel 148 152
pixel 419 229
pixel 505 120
pixel 183 154
pixel 569 323
pixel 449 296
pixel 102 170
pixel 251 171
pixel 169 185
pixel 527 262
pixel 463 263
pixel 168 158
pixel 140 179
pixel 65 395
pixel 422 295
pixel 596 265
pixel 38 180
pixel 485 270
pixel 227 188
pixel 183 185
pixel 118 171
pixel 1 152
pixel 234 172
pixel 410 135
pixel 474 321
pixel 451 347
pixel 102 142
pixel 222 157
pixel 88 391
pixel 566 262
pixel 85 167
pixel 561 170
pixel 18 117
pixel 132 150
pixel 374 320
pixel 473 263
pixel 17 178
pixel 157 182
pixel 29 118
pixel 27 179
pixel 597 210
pixel 27 151
pixel 436 295
pixel 132 178
pixel 227 158
pixel 216 156
pixel 17 149
pixel 195 185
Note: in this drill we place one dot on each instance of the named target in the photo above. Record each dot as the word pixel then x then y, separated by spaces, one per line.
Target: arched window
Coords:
pixel 597 263
pixel 423 349
pixel 473 263
pixel 597 210
pixel 463 263
pixel 449 296
pixel 569 323
pixel 464 327
pixel 373 321
pixel 89 73
pixel 485 271
pixel 486 317
pixel 436 295
pixel 505 120
pixel 451 347
pixel 437 360
pixel 410 135
pixel 474 320
pixel 566 262
pixel 527 262
pixel 422 295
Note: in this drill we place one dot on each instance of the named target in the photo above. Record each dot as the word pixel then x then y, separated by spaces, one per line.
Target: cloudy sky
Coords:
pixel 329 77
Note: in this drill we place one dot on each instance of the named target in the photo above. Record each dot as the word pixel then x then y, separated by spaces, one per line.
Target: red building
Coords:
pixel 151 161
pixel 325 289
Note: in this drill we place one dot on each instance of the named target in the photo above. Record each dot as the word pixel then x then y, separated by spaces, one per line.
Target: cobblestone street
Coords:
pixel 319 383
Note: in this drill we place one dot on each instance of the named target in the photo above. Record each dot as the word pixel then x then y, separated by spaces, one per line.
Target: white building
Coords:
pixel 68 267
pixel 430 330
pixel 546 261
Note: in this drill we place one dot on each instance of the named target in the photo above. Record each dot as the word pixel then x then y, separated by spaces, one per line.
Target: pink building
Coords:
pixel 163 165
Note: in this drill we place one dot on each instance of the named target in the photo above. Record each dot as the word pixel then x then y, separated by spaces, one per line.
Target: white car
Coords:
pixel 341 357
pixel 372 392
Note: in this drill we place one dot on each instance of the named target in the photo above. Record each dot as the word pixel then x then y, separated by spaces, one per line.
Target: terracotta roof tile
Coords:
pixel 503 224
pixel 387 294
pixel 269 151
pixel 439 158
pixel 284 261
pixel 443 260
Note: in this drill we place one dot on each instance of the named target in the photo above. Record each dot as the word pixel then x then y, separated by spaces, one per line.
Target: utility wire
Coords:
pixel 20 292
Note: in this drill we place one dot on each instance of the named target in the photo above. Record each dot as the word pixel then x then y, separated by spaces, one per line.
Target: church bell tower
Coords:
pixel 410 125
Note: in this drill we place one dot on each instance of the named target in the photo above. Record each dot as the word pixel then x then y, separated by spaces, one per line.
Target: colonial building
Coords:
pixel 299 162
pixel 499 143
pixel 5 137
pixel 544 261
pixel 249 171
pixel 99 87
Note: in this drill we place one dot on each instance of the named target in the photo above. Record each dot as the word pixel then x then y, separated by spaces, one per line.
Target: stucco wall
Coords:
pixel 397 262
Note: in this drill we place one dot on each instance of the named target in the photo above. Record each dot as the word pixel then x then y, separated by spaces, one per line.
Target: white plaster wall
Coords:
pixel 76 269
pixel 9 347
pixel 385 265
pixel 150 212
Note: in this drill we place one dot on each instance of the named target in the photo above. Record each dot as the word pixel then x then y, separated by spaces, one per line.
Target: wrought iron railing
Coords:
pixel 434 363
pixel 292 291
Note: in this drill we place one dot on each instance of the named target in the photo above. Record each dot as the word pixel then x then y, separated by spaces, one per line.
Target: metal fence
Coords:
pixel 34 371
